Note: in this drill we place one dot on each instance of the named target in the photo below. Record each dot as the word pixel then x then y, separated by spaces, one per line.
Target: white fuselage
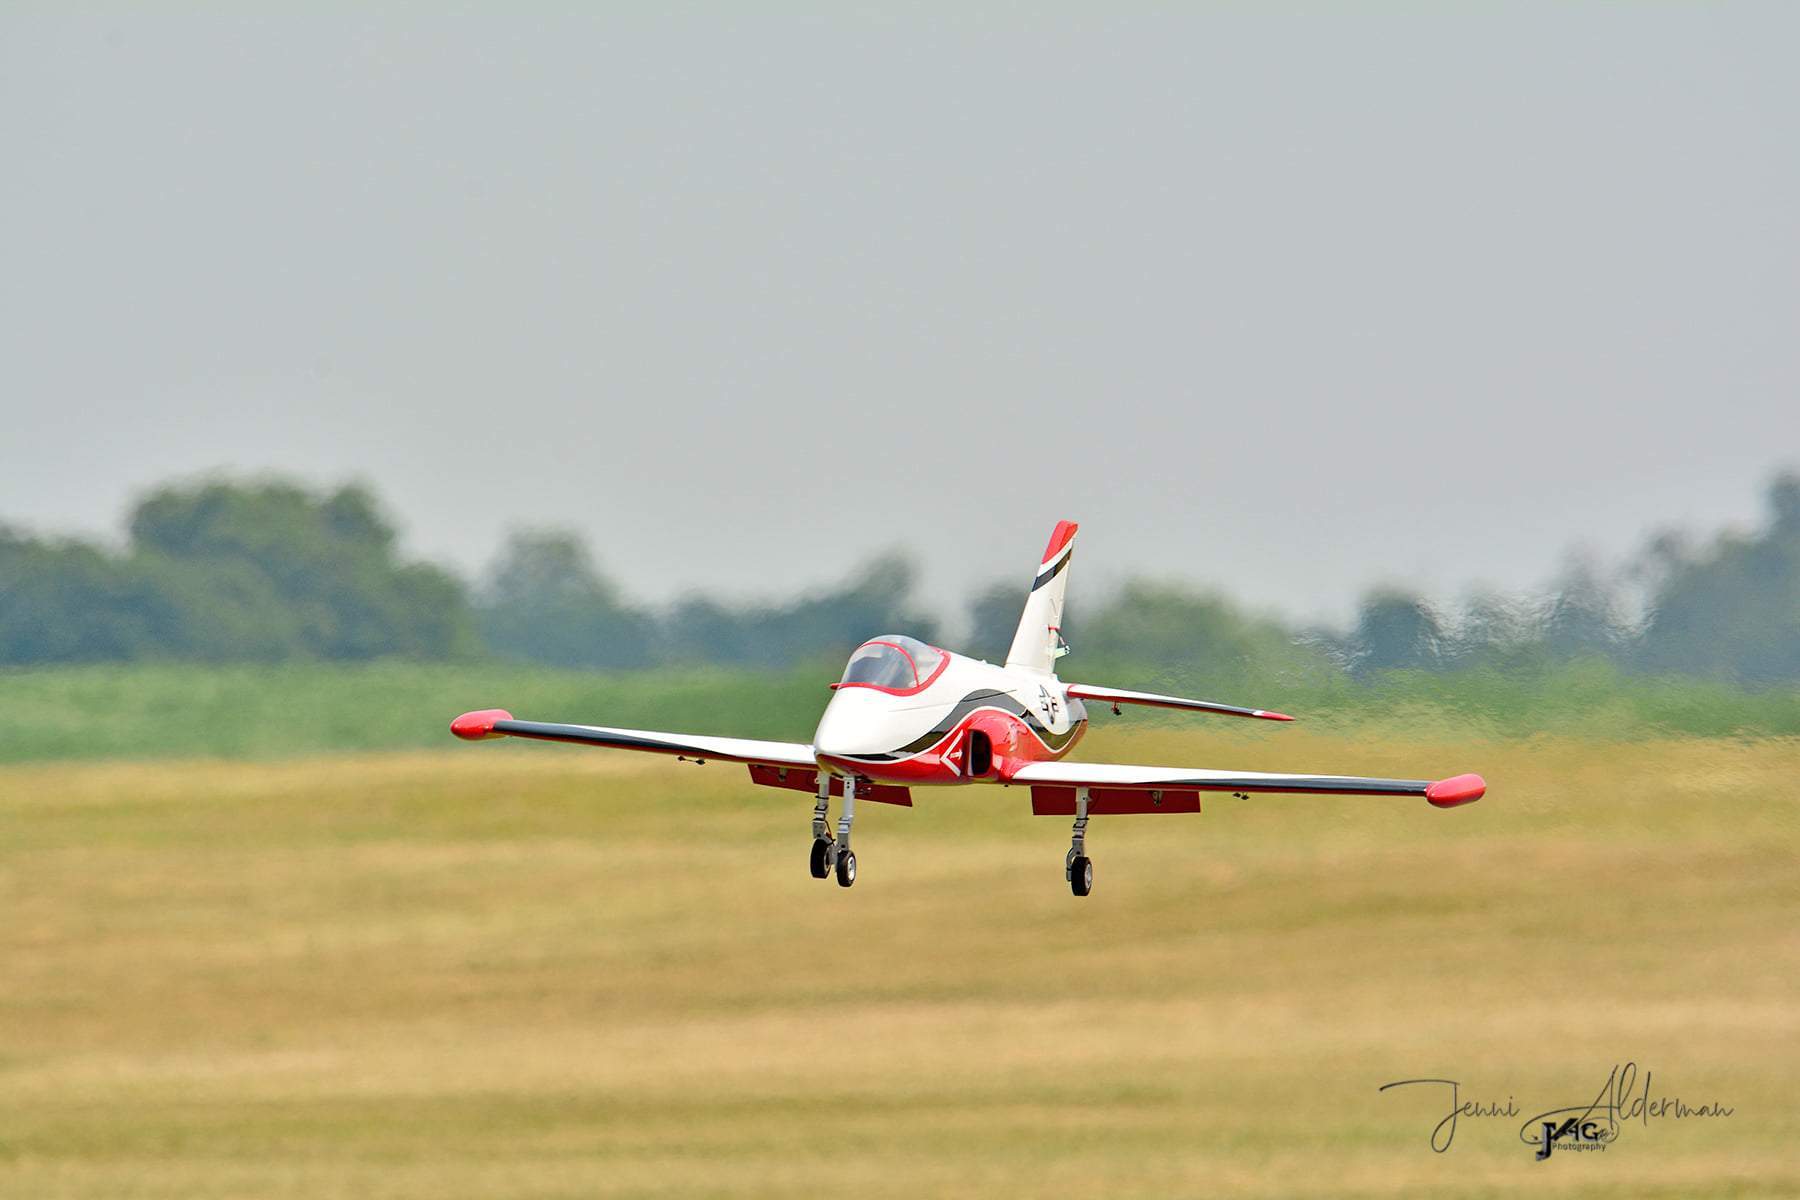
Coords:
pixel 932 734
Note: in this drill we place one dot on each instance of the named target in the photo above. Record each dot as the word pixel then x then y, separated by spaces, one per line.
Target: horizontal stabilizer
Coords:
pixel 1087 691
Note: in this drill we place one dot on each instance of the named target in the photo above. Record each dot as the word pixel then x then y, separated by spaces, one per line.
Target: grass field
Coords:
pixel 543 971
pixel 150 710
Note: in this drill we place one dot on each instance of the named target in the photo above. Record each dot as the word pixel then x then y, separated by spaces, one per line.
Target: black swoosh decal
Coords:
pixel 1060 567
pixel 985 698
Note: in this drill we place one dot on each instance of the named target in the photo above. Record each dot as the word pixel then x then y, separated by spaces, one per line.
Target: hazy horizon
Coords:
pixel 1286 305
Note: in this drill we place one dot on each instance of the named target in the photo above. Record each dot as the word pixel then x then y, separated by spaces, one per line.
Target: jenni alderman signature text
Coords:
pixel 1619 1102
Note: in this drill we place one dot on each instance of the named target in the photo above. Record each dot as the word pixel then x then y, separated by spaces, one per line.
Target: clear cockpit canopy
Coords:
pixel 892 662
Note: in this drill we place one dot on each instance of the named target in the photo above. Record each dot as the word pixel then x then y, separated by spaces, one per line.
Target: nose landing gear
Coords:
pixel 1078 868
pixel 830 854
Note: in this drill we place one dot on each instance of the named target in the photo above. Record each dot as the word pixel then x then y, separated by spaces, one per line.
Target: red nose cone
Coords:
pixel 1462 789
pixel 474 726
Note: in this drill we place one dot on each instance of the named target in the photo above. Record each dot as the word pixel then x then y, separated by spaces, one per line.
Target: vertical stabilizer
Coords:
pixel 1036 645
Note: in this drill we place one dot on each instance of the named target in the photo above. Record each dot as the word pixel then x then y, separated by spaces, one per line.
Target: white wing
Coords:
pixel 497 722
pixel 1444 793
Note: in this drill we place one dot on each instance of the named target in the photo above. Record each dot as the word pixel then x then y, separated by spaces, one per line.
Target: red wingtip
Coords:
pixel 474 726
pixel 1266 715
pixel 1460 789
pixel 1059 537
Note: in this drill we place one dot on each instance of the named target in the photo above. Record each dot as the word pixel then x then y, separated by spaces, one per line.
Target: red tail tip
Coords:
pixel 1059 537
pixel 474 726
pixel 1460 789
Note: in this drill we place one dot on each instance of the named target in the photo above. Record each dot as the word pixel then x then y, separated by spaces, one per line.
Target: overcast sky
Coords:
pixel 1287 304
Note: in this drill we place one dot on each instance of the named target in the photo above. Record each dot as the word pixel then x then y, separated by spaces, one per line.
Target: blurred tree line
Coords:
pixel 1727 610
pixel 271 572
pixel 544 600
pixel 226 572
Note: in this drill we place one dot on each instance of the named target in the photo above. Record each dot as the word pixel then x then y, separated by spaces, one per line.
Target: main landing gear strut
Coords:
pixel 833 855
pixel 828 854
pixel 1078 868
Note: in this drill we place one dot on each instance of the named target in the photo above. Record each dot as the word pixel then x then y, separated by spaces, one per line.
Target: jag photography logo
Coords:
pixel 1574 1127
pixel 1581 1135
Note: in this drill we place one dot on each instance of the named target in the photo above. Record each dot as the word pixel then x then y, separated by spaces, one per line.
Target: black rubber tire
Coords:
pixel 821 867
pixel 846 868
pixel 1081 875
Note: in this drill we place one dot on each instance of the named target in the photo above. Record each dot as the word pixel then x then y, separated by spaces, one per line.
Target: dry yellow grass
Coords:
pixel 545 971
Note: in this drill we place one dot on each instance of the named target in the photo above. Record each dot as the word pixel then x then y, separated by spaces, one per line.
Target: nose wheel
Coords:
pixel 1078 868
pixel 830 854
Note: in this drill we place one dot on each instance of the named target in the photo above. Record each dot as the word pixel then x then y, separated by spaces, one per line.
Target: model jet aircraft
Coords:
pixel 909 715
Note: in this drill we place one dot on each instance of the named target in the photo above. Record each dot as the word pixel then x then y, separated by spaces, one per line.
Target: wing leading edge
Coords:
pixel 497 722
